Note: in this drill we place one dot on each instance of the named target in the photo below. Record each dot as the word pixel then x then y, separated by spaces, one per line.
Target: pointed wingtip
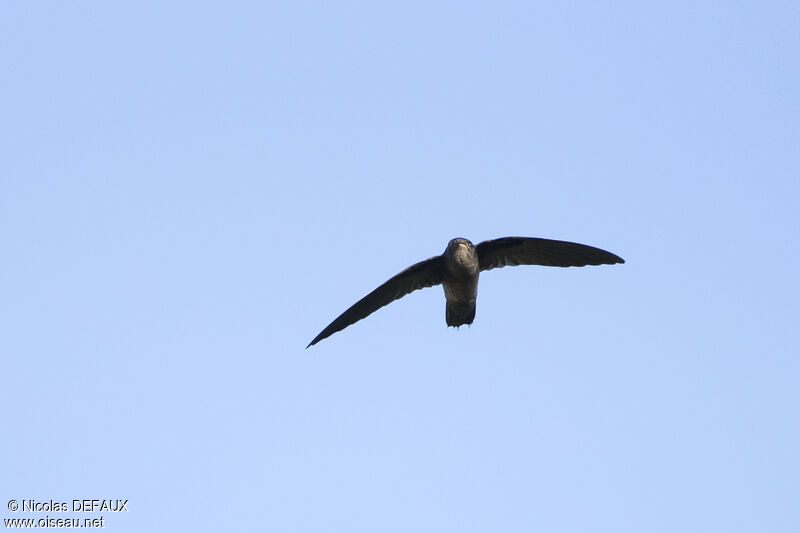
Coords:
pixel 313 342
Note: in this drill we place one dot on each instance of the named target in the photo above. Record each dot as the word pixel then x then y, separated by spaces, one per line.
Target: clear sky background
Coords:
pixel 190 192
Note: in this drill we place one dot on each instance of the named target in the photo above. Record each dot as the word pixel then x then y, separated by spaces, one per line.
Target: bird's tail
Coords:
pixel 460 313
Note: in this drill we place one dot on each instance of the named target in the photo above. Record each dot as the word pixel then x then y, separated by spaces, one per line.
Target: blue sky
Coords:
pixel 190 192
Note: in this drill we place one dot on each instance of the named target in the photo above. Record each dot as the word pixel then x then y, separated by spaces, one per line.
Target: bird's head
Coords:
pixel 458 242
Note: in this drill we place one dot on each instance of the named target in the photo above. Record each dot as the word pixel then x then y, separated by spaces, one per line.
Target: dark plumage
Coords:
pixel 457 269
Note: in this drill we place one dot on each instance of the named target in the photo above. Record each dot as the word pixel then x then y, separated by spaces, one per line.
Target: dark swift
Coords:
pixel 457 269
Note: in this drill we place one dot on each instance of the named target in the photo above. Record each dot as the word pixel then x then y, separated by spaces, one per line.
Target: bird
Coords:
pixel 457 270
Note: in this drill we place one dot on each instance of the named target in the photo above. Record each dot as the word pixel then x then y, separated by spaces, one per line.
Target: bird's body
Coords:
pixel 460 282
pixel 458 269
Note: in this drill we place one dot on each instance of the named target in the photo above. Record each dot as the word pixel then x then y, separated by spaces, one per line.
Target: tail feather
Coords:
pixel 460 313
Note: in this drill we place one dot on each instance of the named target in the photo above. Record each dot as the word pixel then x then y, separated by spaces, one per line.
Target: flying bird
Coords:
pixel 457 269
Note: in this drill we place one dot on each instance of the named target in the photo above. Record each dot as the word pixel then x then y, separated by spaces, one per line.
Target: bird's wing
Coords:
pixel 424 274
pixel 513 251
